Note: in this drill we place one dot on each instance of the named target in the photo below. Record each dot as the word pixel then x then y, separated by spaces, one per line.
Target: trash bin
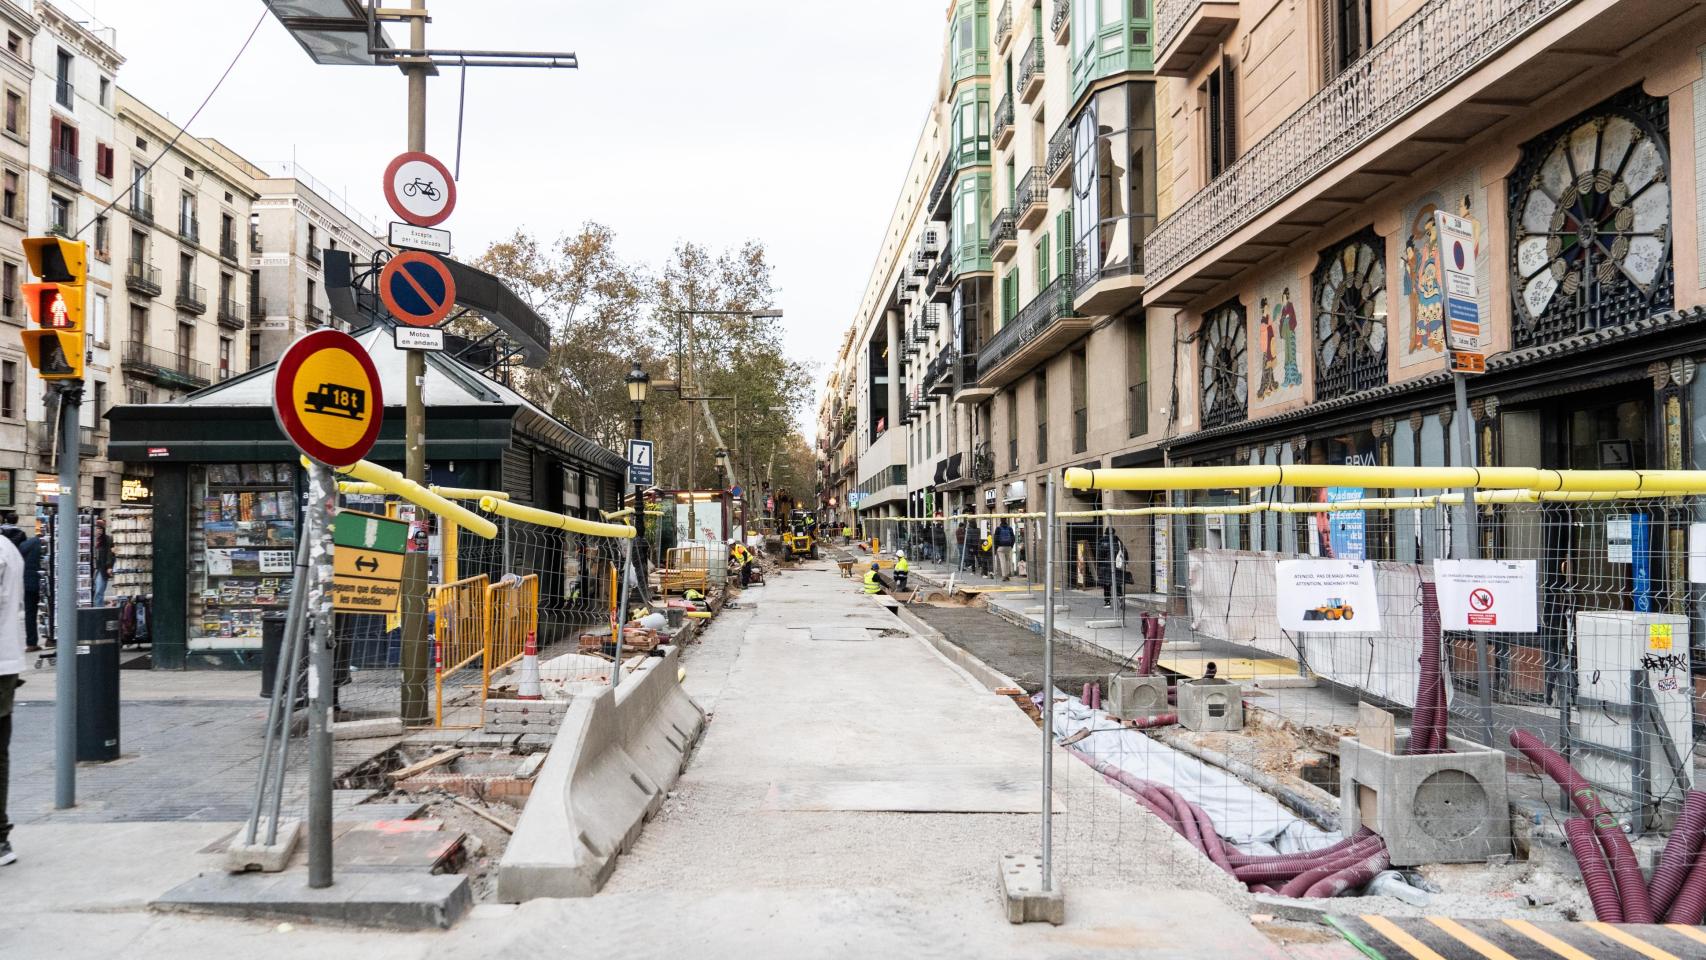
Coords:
pixel 272 646
pixel 97 683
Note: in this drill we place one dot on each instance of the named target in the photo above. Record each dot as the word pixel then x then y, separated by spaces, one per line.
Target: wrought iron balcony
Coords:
pixel 1058 166
pixel 64 163
pixel 192 298
pixel 230 313
pixel 1032 199
pixel 257 308
pixel 1003 235
pixel 165 367
pixel 65 93
pixel 1003 122
pixel 189 229
pixel 1111 275
pixel 1061 21
pixel 228 247
pixel 141 207
pixel 940 282
pixel 1003 26
pixel 1031 70
pixel 316 316
pixel 1043 326
pixel 313 256
pixel 142 277
pixel 1437 46
pixel 939 189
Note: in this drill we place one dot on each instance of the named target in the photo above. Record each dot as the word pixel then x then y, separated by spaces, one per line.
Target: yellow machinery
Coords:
pixel 799 538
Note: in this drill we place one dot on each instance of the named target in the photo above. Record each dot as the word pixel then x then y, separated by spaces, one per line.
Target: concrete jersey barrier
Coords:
pixel 617 753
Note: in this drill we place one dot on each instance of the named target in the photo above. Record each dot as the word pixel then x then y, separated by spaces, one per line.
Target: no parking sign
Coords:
pixel 417 288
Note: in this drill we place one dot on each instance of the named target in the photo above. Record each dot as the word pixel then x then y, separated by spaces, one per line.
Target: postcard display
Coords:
pixel 242 546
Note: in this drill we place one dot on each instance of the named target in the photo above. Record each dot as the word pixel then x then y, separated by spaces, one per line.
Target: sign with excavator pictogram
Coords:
pixel 327 397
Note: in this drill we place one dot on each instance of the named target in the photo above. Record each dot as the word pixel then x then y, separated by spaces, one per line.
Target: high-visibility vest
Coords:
pixel 901 566
pixel 872 584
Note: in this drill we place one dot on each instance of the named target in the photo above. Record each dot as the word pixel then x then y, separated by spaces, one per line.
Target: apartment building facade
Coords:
pixel 17 455
pixel 1306 150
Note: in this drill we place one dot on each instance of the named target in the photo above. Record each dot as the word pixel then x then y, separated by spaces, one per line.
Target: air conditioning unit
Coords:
pixel 1629 667
pixel 930 242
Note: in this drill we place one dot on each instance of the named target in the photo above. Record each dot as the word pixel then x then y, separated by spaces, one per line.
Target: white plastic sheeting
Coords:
pixel 1232 599
pixel 1246 817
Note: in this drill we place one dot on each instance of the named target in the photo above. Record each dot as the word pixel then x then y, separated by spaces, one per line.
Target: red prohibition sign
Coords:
pixel 417 288
pixel 1481 599
pixel 420 189
pixel 327 397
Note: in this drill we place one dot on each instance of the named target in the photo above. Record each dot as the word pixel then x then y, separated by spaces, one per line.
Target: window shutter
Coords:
pixel 1229 108
pixel 1329 48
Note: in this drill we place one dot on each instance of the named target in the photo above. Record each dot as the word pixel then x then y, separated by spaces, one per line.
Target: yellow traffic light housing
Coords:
pixel 56 304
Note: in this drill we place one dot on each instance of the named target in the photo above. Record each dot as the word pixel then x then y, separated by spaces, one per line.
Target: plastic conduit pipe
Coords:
pixel 1679 853
pixel 1153 720
pixel 1631 886
pixel 1352 876
pixel 1690 902
pixel 1601 890
pixel 1426 716
pixel 1329 866
pixel 1246 859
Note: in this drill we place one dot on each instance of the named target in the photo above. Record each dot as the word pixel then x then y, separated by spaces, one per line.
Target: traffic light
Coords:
pixel 56 305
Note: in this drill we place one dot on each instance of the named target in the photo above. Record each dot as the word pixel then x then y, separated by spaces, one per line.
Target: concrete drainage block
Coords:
pixel 1022 889
pixel 1136 696
pixel 1431 808
pixel 1207 705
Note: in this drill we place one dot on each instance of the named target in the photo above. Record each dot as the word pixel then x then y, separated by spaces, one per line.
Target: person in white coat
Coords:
pixel 11 666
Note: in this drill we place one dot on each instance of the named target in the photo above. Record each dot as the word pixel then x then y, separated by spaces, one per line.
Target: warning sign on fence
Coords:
pixel 1488 596
pixel 1328 596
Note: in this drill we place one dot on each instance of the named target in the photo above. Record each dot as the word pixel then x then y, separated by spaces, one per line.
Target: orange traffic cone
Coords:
pixel 528 688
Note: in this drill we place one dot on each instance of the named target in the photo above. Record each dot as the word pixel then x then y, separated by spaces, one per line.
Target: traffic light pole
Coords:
pixel 65 600
pixel 416 655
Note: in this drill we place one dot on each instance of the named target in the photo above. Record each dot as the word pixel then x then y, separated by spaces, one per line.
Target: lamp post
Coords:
pixel 639 383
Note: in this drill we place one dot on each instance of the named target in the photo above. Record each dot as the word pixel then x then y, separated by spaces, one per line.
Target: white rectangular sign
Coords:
pixel 1697 553
pixel 1327 596
pixel 1488 596
pixel 420 338
pixel 1457 271
pixel 410 237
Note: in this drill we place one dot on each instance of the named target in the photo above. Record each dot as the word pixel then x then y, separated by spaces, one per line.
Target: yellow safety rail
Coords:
pixel 512 615
pixel 395 484
pixel 1417 478
pixel 545 518
pixel 459 630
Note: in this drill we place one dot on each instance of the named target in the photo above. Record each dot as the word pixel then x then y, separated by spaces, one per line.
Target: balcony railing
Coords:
pixel 192 298
pixel 1119 251
pixel 65 92
pixel 1059 152
pixel 1031 67
pixel 943 178
pixel 1435 47
pixel 228 247
pixel 230 312
pixel 254 240
pixel 1003 229
pixel 1003 25
pixel 967 371
pixel 1170 17
pixel 1032 192
pixel 1062 19
pixel 165 366
pixel 141 207
pixel 1003 121
pixel 65 163
pixel 142 277
pixel 1033 320
pixel 257 308
pixel 189 228
pixel 313 256
pixel 316 316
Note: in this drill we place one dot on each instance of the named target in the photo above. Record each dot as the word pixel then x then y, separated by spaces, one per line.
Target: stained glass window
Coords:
pixel 1225 365
pixel 1350 317
pixel 1591 222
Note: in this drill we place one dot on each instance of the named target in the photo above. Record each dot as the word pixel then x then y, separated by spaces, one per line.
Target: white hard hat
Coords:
pixel 900 554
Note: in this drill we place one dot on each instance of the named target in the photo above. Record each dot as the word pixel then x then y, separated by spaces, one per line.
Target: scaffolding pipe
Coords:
pixel 545 518
pixel 395 484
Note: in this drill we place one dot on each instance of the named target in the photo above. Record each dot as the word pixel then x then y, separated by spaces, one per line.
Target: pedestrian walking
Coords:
pixel 960 542
pixel 11 666
pixel 103 562
pixel 29 546
pixel 1004 549
pixel 1111 566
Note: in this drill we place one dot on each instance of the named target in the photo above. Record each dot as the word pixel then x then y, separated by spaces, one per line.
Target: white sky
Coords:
pixel 790 121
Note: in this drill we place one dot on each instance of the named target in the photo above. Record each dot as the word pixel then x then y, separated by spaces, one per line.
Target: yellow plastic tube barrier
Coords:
pixel 1419 478
pixel 545 518
pixel 448 493
pixel 394 483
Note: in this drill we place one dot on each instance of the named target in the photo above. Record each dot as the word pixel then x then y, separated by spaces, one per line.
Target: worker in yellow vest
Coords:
pixel 901 568
pixel 872 584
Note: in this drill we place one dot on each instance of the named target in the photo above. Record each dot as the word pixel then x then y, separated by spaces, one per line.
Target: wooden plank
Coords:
pixel 1376 728
pixel 437 759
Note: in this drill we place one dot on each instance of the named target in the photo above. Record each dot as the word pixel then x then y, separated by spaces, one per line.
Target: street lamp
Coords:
pixel 639 383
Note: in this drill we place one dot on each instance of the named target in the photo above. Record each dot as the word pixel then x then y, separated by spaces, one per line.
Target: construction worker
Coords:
pixel 873 585
pixel 901 568
pixel 742 556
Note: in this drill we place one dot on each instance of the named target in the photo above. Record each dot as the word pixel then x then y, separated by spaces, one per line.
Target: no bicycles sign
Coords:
pixel 420 189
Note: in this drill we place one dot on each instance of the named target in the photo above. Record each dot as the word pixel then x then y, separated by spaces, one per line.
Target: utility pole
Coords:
pixel 65 599
pixel 416 657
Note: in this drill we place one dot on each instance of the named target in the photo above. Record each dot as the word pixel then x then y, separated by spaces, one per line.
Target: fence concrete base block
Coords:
pixel 399 901
pixel 1137 696
pixel 1058 608
pixel 616 755
pixel 1021 877
pixel 1431 808
pixel 1206 705
pixel 266 857
pixel 368 729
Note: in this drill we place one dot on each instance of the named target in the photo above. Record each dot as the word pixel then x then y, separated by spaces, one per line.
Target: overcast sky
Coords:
pixel 790 121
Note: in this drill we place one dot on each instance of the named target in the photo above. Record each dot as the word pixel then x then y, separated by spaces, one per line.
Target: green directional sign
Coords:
pixel 366 531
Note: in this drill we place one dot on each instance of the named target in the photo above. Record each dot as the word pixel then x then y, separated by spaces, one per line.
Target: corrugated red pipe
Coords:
pixel 1354 875
pixel 1153 720
pixel 1288 866
pixel 1679 853
pixel 1330 866
pixel 1690 904
pixel 1427 723
pixel 1601 890
pixel 1246 859
pixel 1631 886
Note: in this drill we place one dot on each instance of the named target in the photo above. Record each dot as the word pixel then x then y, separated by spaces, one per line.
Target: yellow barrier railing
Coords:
pixel 459 632
pixel 558 521
pixel 1401 478
pixel 397 485
pixel 512 615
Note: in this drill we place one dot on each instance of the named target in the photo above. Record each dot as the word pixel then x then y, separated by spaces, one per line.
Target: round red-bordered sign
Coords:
pixel 417 288
pixel 420 189
pixel 327 397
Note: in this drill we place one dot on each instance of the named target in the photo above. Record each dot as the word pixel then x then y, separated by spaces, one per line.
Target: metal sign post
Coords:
pixel 322 505
pixel 65 600
pixel 1466 346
